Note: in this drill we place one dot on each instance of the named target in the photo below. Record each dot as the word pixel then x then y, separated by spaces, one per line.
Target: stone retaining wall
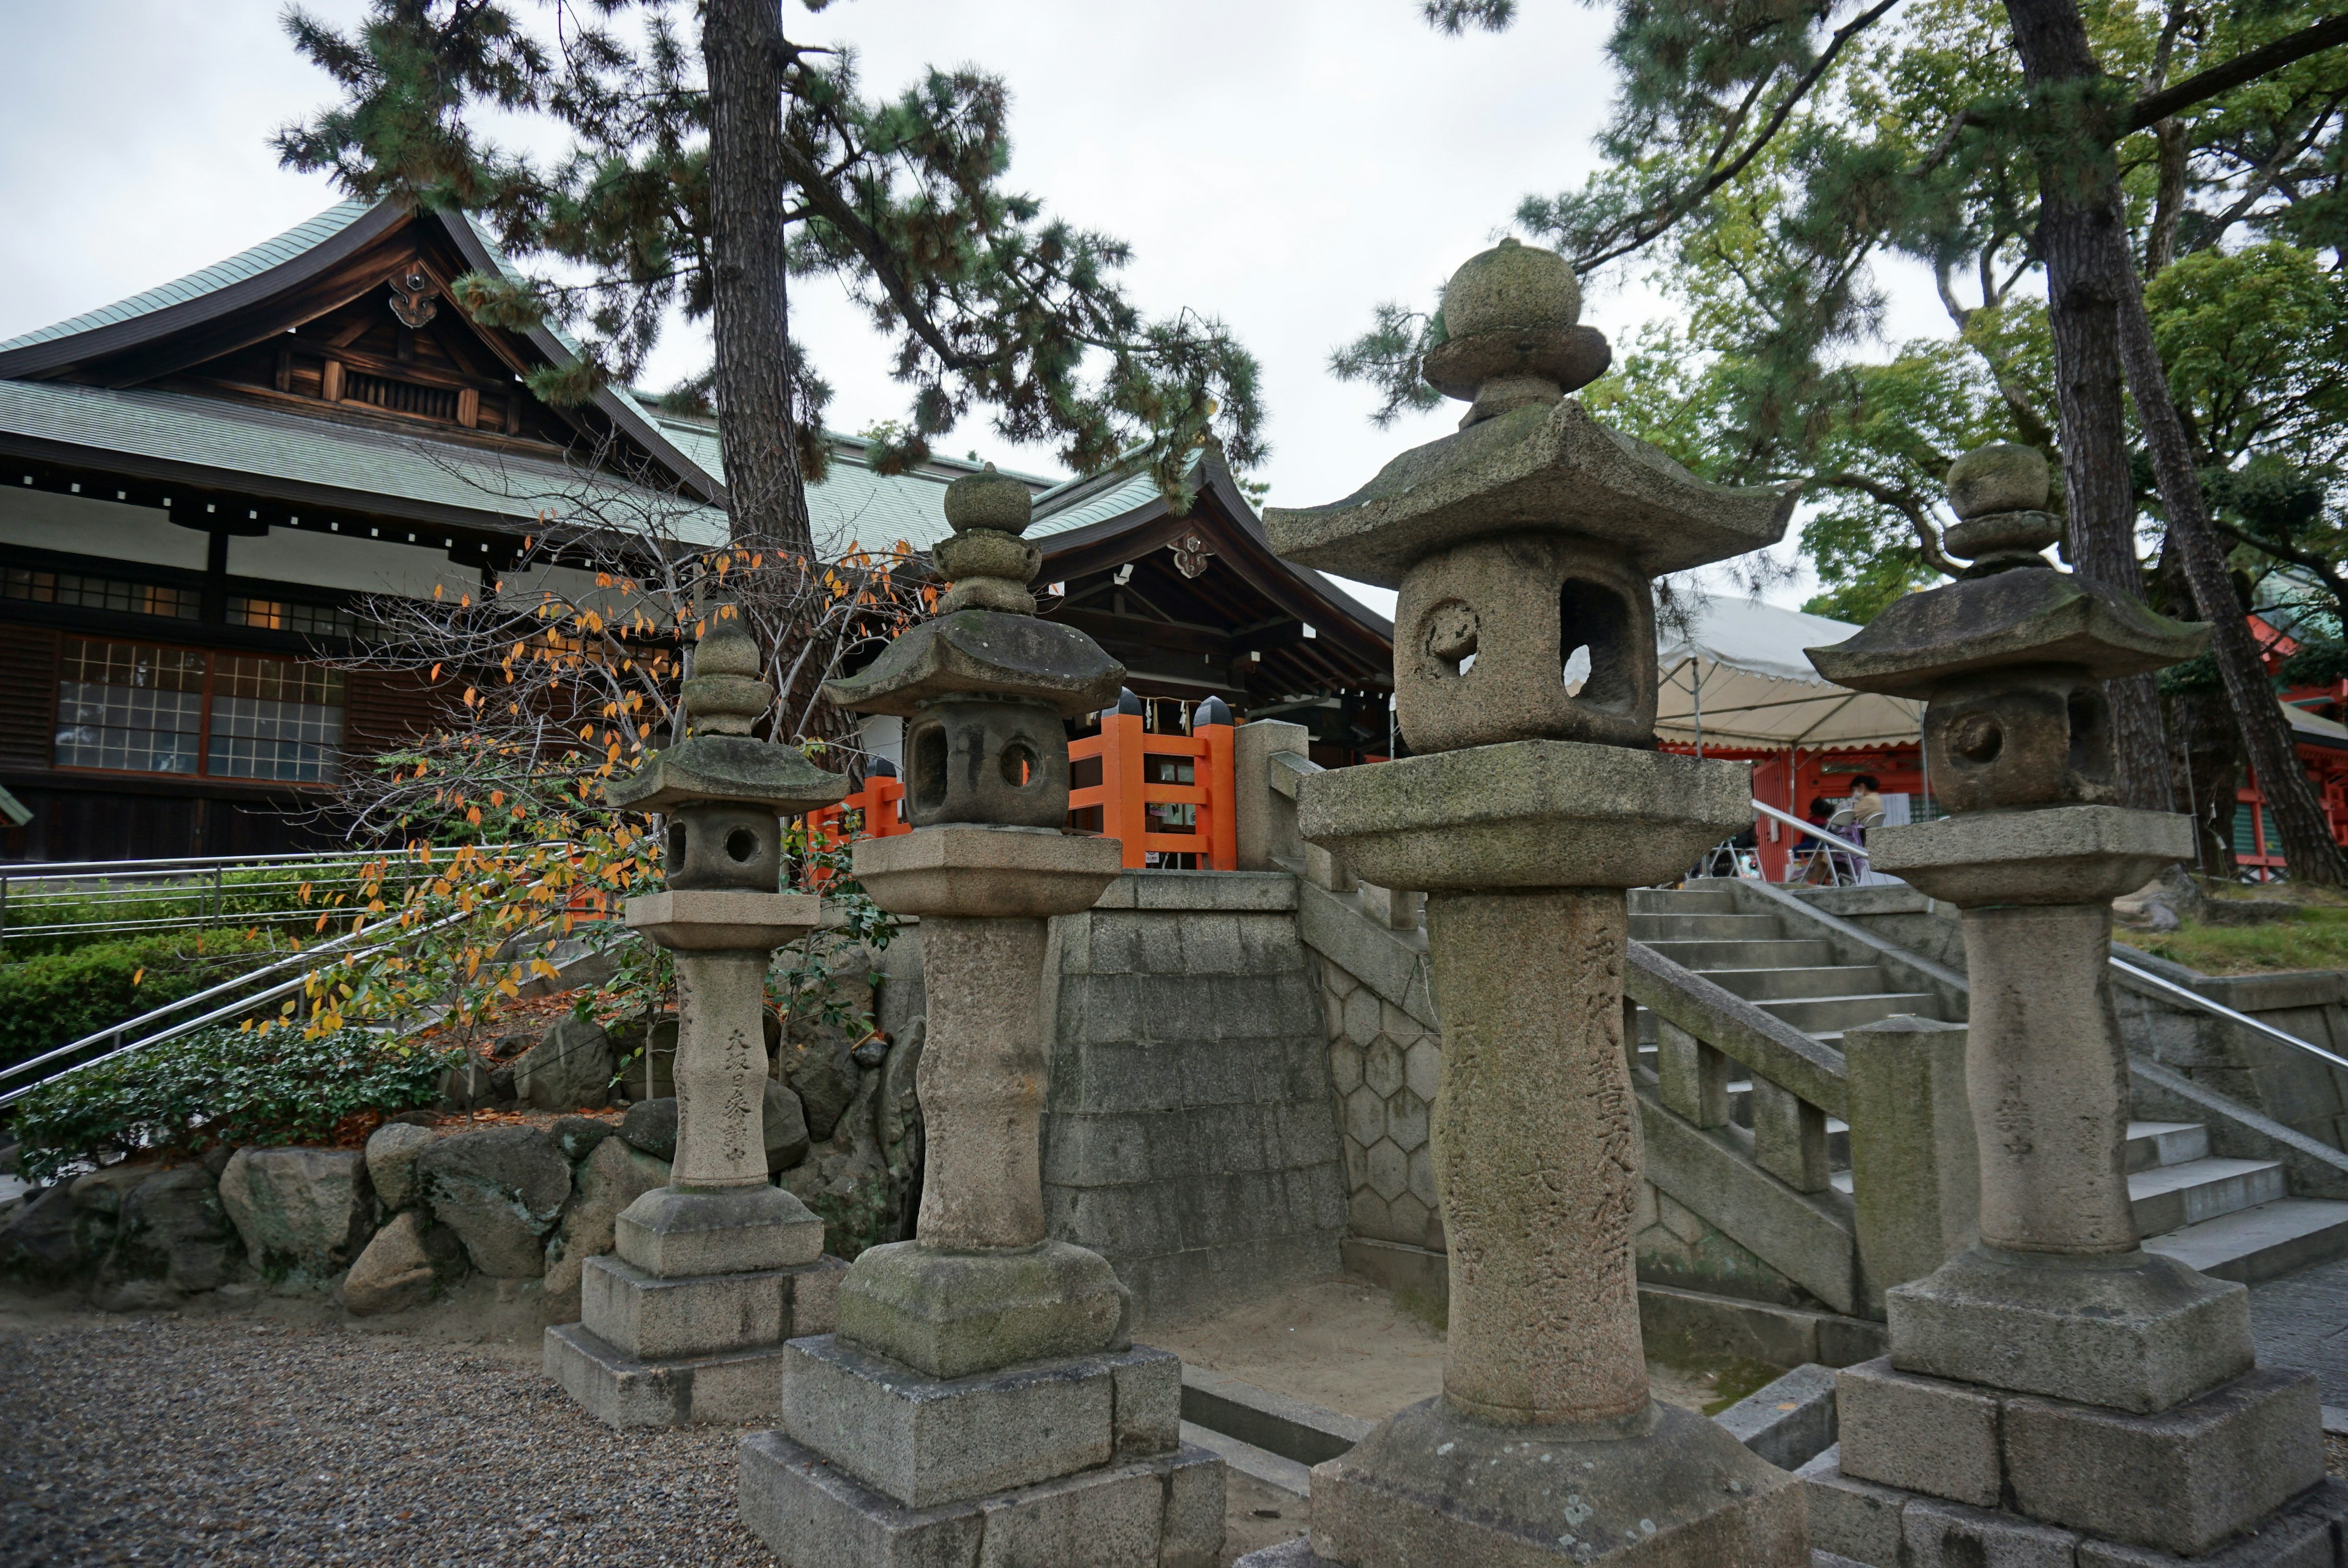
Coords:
pixel 1189 1133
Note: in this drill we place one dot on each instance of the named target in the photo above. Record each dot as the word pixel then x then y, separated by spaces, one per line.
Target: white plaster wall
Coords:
pixel 884 736
pixel 572 587
pixel 81 525
pixel 352 563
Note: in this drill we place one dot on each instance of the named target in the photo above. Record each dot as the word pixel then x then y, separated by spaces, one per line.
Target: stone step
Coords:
pixel 1705 928
pixel 2167 1197
pixel 1683 901
pixel 1820 980
pixel 1761 953
pixel 2151 1143
pixel 1815 1014
pixel 2262 1243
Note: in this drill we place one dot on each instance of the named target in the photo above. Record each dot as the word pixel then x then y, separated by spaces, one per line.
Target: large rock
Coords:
pixel 38 1245
pixel 570 1068
pixel 400 1266
pixel 650 1126
pixel 609 1179
pixel 784 1124
pixel 173 1230
pixel 391 1155
pixel 303 1213
pixel 864 1181
pixel 820 1070
pixel 500 1189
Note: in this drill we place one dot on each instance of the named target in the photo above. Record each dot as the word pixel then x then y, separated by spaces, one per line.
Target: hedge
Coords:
pixel 49 998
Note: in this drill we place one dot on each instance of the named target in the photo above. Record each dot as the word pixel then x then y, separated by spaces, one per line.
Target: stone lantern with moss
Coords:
pixel 2055 1390
pixel 983 1390
pixel 1526 811
pixel 685 1322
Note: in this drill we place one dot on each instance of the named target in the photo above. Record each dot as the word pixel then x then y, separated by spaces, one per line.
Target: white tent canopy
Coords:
pixel 1739 681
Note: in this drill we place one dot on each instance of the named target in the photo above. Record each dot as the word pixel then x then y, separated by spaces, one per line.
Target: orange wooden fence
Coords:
pixel 1167 794
pixel 881 800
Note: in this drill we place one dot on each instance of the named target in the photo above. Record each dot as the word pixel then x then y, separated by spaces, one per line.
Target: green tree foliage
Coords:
pixel 48 999
pixel 1765 163
pixel 901 199
pixel 219 1086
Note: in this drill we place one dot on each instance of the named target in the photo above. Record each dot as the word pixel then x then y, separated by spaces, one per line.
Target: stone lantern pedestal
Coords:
pixel 1531 805
pixel 2055 1393
pixel 710 1274
pixel 982 1400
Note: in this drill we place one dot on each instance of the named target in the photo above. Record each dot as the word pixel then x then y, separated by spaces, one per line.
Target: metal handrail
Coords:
pixel 2131 970
pixel 1821 834
pixel 228 1011
pixel 2222 1010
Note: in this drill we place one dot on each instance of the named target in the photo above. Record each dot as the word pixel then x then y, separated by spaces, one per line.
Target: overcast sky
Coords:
pixel 1282 164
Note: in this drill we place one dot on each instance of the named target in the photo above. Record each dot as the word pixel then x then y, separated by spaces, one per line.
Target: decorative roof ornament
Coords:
pixel 413 297
pixel 1191 554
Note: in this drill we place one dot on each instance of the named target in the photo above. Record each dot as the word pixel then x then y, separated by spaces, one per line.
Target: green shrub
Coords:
pixel 48 998
pixel 222 1085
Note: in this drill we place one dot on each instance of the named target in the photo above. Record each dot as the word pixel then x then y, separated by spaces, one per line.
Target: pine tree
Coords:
pixel 706 172
pixel 1785 145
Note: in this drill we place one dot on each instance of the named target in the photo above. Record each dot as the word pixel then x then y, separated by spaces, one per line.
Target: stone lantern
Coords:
pixel 983 1385
pixel 713 1272
pixel 2082 1396
pixel 1526 811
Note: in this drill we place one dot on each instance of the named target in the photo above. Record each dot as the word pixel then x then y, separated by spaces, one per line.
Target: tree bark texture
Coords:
pixel 2298 813
pixel 742 48
pixel 2087 268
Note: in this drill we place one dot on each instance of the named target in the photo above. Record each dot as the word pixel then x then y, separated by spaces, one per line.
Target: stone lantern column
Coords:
pixel 2055 1390
pixel 713 1272
pixel 1527 807
pixel 981 1399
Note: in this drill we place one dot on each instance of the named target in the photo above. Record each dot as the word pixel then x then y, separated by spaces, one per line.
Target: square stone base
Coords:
pixel 653 1318
pixel 2182 1480
pixel 621 1390
pixel 673 1232
pixel 1427 1486
pixel 1160 1512
pixel 927 1441
pixel 2136 1332
pixel 1871 1526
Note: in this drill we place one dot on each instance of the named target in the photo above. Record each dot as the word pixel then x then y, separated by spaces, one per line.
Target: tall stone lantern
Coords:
pixel 2077 1394
pixel 713 1272
pixel 981 1399
pixel 1527 810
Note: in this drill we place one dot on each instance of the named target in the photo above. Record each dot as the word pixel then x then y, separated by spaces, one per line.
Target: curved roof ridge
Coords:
pixel 304 236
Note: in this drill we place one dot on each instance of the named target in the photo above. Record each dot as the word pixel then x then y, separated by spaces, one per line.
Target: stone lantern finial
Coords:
pixel 726 695
pixel 988 563
pixel 1999 493
pixel 1509 334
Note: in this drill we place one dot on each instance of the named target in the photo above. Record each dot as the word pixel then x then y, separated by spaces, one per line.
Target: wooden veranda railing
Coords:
pixel 1168 796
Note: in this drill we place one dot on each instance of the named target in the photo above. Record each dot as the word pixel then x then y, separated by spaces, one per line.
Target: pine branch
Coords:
pixel 2156 107
pixel 1928 537
pixel 1660 221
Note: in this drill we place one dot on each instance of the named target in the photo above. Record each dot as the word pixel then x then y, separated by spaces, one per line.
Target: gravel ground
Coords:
pixel 233 1441
pixel 238 1439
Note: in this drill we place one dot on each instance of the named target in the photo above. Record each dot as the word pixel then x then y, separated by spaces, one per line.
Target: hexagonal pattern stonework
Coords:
pixel 1382 1067
pixel 1406 1121
pixel 1389 1170
pixel 1423 1068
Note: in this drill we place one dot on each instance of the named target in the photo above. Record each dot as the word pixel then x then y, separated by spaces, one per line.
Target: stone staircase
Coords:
pixel 2230 1218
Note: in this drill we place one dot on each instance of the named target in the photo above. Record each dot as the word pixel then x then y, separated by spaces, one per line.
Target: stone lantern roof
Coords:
pixel 2017 617
pixel 721 760
pixel 2011 609
pixel 987 642
pixel 1528 457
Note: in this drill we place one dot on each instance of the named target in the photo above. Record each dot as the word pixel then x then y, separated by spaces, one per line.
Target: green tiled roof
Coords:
pixel 219 275
pixel 295 449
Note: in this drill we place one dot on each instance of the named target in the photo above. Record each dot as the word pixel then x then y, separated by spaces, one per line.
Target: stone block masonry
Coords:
pixel 1189 1131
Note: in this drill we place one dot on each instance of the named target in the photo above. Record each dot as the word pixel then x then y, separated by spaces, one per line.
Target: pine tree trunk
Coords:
pixel 2087 266
pixel 741 45
pixel 2307 841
